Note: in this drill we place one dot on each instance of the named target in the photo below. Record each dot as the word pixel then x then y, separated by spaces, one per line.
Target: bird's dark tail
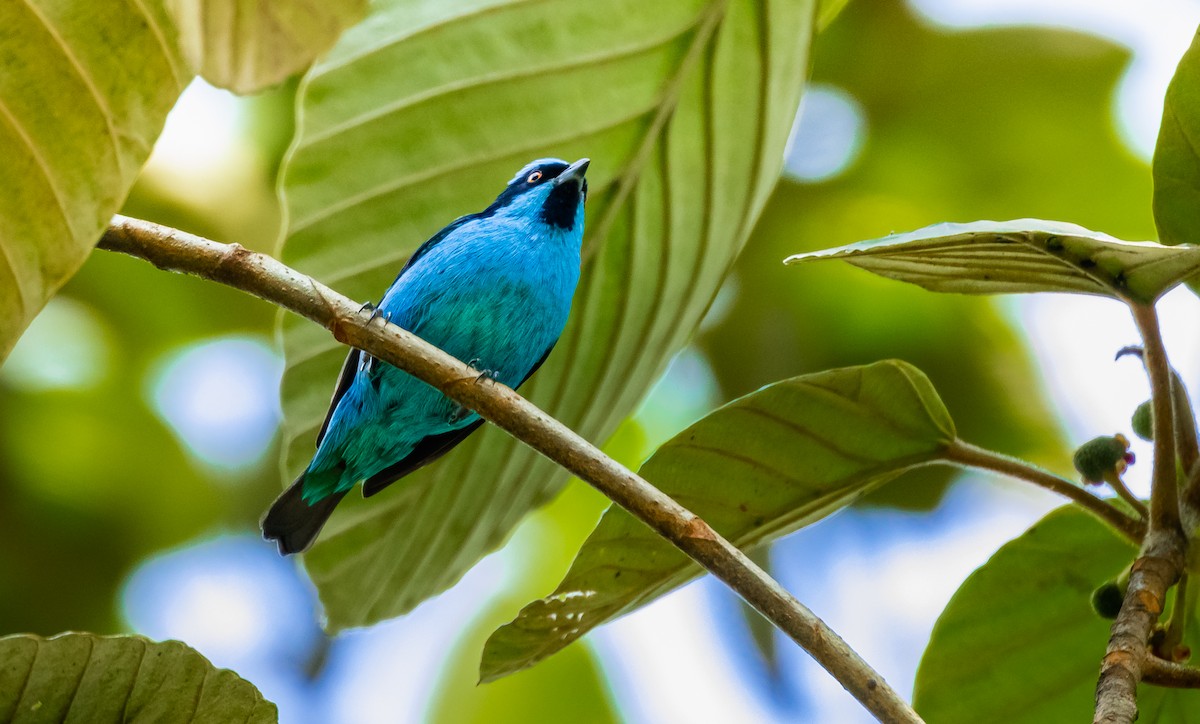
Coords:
pixel 294 523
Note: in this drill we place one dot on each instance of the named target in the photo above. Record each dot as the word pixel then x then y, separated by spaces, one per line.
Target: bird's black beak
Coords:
pixel 574 172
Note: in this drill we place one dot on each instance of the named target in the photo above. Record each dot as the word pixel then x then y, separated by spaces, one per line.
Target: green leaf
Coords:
pixel 756 469
pixel 83 677
pixel 248 45
pixel 1026 255
pixel 1176 161
pixel 1019 641
pixel 684 108
pixel 84 93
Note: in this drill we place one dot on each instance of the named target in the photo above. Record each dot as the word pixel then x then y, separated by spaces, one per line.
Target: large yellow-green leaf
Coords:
pixel 1026 255
pixel 78 677
pixel 84 90
pixel 422 113
pixel 1019 642
pixel 248 45
pixel 756 469
pixel 1176 159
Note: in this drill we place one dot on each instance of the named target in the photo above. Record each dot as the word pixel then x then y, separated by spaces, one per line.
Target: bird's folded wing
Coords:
pixel 430 448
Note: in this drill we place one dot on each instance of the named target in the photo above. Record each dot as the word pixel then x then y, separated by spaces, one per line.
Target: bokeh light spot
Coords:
pixel 220 398
pixel 65 347
pixel 202 132
pixel 828 133
pixel 231 598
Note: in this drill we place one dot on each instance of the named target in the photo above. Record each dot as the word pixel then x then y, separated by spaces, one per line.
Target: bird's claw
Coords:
pixel 492 375
pixel 375 313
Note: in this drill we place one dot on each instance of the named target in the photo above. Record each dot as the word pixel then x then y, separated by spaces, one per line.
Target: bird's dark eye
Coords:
pixel 534 177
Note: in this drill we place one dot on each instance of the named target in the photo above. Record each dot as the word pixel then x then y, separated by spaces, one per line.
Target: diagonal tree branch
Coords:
pixel 271 280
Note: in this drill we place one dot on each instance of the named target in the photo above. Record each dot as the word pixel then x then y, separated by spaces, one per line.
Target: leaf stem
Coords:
pixel 269 279
pixel 968 455
pixel 1187 445
pixel 1164 494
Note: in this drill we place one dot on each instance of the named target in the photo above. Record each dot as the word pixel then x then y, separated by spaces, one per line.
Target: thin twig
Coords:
pixel 1170 674
pixel 1122 490
pixel 1187 446
pixel 274 282
pixel 968 455
pixel 1162 554
pixel 1164 493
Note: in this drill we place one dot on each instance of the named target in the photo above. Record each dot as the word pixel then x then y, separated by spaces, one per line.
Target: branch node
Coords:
pixel 697 529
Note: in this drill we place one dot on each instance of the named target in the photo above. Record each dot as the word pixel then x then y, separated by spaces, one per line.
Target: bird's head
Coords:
pixel 550 189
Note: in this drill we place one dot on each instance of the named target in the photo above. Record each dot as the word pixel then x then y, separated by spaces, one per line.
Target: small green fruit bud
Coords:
pixel 1102 455
pixel 1107 599
pixel 1143 421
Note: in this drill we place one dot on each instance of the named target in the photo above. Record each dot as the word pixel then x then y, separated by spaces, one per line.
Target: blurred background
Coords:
pixel 138 415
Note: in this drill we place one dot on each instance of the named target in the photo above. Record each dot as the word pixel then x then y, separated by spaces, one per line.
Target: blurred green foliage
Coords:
pixel 994 124
pixel 93 481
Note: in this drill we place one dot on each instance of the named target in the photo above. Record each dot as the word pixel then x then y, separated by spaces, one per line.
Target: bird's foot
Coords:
pixel 375 313
pixel 492 375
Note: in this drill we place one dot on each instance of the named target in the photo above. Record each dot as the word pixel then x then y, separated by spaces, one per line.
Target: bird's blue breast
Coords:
pixel 496 292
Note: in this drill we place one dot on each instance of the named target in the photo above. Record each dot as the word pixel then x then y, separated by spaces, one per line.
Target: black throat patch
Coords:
pixel 560 206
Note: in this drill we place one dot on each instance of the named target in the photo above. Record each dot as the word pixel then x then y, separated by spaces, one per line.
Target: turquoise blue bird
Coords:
pixel 493 289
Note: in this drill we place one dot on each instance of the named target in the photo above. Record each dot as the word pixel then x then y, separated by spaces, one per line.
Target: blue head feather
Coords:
pixel 541 186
